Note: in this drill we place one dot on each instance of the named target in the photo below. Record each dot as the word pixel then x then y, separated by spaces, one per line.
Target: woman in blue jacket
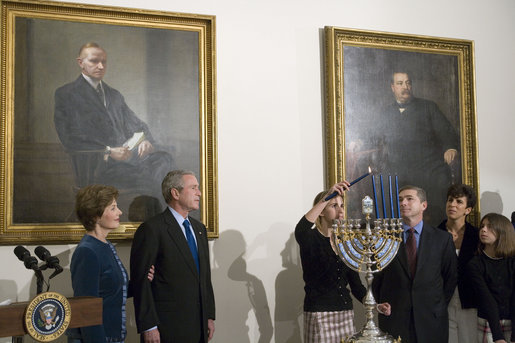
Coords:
pixel 96 268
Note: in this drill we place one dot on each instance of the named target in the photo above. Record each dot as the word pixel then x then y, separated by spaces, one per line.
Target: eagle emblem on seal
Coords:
pixel 47 314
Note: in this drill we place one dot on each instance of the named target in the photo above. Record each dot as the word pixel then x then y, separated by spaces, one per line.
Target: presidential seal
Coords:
pixel 47 316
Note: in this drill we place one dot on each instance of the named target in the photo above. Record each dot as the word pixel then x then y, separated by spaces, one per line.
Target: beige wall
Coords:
pixel 270 137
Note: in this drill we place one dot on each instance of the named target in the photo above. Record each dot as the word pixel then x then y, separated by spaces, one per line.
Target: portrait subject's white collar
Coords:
pixel 93 83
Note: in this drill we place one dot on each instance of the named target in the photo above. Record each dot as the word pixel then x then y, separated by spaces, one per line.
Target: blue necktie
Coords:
pixel 191 242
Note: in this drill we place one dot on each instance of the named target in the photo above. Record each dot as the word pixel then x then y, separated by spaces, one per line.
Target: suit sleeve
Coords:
pixel 376 286
pixel 449 269
pixel 143 254
pixel 85 270
pixel 132 123
pixel 210 301
pixel 68 117
pixel 445 132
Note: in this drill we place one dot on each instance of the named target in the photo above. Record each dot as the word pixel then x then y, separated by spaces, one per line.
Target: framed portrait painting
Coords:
pixel 102 95
pixel 405 106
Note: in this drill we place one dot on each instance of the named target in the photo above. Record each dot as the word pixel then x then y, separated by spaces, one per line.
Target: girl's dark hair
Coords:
pixel 501 226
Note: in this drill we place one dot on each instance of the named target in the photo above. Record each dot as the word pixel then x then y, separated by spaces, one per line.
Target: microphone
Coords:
pixel 45 256
pixel 24 255
pixel 51 261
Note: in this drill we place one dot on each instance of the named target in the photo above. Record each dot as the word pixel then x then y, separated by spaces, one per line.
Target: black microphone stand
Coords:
pixel 50 262
pixel 39 281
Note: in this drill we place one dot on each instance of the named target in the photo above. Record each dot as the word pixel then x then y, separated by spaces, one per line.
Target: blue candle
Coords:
pixel 391 196
pixel 333 194
pixel 361 177
pixel 375 195
pixel 397 192
pixel 382 195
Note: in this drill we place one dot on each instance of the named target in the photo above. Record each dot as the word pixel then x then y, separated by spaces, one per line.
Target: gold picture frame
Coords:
pixel 359 66
pixel 164 65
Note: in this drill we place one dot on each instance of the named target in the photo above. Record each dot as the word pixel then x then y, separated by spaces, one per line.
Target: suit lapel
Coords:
pixel 176 234
pixel 90 93
pixel 92 98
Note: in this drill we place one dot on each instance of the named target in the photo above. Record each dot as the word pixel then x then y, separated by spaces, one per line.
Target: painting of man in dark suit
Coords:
pixel 402 118
pixel 433 143
pixel 95 126
pixel 68 134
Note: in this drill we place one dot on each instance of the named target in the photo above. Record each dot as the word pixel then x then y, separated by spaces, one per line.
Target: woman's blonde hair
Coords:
pixel 319 196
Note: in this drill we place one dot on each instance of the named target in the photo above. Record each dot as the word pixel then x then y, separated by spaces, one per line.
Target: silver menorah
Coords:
pixel 368 250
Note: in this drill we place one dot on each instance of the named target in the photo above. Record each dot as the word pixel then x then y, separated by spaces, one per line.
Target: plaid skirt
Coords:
pixel 484 335
pixel 328 327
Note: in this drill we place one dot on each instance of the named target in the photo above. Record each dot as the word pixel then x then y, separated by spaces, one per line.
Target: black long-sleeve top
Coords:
pixel 325 275
pixel 494 285
pixel 468 249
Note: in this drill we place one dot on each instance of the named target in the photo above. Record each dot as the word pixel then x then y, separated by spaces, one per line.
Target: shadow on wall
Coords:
pixel 8 291
pixel 237 292
pixel 491 202
pixel 289 295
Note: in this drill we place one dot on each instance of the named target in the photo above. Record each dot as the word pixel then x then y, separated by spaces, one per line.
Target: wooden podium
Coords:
pixel 86 311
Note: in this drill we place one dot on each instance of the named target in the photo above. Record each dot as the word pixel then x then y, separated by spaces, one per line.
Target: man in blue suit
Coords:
pixel 420 281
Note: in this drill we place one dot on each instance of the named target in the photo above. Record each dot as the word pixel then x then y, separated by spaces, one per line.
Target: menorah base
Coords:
pixel 369 336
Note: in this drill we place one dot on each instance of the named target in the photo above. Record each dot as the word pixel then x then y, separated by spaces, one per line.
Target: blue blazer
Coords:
pixel 96 272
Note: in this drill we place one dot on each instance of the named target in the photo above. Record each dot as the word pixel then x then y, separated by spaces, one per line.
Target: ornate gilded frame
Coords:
pixel 112 20
pixel 339 40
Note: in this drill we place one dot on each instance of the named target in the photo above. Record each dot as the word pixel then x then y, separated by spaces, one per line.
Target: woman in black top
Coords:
pixel 328 314
pixel 462 308
pixel 492 273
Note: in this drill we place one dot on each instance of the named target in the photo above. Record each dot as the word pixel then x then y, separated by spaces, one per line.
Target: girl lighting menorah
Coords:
pixel 368 250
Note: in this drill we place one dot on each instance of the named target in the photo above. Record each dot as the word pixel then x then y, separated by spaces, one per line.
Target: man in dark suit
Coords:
pixel 94 125
pixel 418 140
pixel 420 281
pixel 412 138
pixel 179 305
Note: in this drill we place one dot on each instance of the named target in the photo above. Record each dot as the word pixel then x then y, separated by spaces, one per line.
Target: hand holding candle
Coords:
pixel 332 195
